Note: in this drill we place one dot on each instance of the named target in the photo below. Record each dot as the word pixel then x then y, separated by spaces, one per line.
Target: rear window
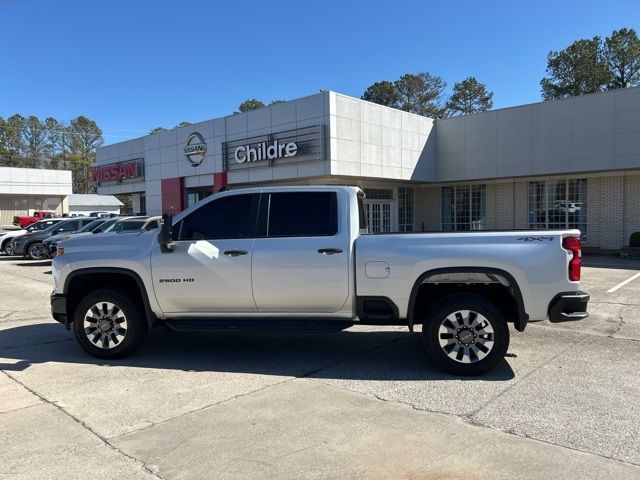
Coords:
pixel 302 214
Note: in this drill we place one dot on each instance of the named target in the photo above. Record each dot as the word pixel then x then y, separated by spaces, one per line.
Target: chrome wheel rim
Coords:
pixel 466 336
pixel 105 325
pixel 35 251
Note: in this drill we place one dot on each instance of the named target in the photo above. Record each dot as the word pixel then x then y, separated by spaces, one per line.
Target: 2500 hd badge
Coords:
pixel 176 280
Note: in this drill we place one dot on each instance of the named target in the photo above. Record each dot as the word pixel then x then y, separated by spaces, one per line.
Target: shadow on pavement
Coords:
pixel 353 355
pixel 35 263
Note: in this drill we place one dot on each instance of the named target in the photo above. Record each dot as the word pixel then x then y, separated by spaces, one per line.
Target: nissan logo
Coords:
pixel 195 149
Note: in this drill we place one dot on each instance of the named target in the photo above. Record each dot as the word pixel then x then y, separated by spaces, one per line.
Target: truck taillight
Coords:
pixel 573 245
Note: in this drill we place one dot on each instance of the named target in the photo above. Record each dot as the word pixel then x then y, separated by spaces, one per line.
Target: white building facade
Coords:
pixel 23 190
pixel 558 164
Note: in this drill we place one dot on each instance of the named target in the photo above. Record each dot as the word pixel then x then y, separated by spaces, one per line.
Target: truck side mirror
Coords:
pixel 165 235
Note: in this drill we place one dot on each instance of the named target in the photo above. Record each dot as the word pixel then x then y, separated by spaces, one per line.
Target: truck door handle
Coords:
pixel 235 253
pixel 329 251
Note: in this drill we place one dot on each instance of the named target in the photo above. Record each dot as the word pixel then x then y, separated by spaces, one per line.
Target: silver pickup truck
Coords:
pixel 289 257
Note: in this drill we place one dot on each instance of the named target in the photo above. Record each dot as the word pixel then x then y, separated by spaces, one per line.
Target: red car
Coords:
pixel 24 222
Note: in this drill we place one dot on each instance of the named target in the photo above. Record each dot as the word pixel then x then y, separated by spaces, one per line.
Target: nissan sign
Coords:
pixel 195 149
pixel 117 172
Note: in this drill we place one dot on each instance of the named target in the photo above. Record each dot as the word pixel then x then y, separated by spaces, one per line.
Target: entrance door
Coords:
pixel 378 216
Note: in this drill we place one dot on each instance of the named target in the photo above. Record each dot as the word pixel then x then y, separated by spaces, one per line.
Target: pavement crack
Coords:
pixel 104 440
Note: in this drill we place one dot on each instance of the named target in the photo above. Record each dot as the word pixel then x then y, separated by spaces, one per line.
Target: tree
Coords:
pixel 383 93
pixel 622 57
pixel 85 136
pixel 157 130
pixel 250 104
pixel 57 144
pixel 183 124
pixel 11 136
pixel 35 136
pixel 576 70
pixel 469 96
pixel 421 93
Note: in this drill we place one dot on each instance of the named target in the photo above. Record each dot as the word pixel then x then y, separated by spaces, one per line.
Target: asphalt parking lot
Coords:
pixel 364 403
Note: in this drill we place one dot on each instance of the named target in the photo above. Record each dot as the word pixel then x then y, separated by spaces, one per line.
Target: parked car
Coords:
pixel 280 257
pixel 6 244
pixel 25 221
pixel 50 244
pixel 30 244
pixel 103 214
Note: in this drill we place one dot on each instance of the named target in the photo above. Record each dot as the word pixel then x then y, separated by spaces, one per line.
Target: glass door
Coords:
pixel 378 216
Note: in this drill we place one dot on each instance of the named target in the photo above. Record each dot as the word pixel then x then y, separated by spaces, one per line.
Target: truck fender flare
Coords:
pixel 119 271
pixel 520 323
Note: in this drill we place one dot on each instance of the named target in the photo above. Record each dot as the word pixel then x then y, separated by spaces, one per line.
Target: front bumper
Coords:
pixel 568 307
pixel 59 308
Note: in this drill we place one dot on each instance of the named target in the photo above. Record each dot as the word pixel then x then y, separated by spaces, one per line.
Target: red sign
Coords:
pixel 117 172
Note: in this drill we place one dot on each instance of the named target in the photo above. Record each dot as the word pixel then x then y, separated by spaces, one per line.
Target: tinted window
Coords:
pixel 152 225
pixel 227 217
pixel 303 214
pixel 68 227
pixel 90 226
pixel 128 226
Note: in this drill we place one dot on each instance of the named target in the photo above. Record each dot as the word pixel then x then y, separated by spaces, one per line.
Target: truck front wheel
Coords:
pixel 465 334
pixel 109 324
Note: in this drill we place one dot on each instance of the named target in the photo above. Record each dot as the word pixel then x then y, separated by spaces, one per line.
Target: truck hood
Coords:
pixel 111 244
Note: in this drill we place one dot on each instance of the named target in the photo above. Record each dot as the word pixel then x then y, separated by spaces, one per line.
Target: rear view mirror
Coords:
pixel 165 235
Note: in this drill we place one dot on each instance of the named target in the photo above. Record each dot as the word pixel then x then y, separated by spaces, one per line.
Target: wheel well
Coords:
pixel 497 294
pixel 80 285
pixel 496 286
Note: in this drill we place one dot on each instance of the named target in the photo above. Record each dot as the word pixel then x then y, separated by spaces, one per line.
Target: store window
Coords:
pixel 405 209
pixel 464 207
pixel 558 204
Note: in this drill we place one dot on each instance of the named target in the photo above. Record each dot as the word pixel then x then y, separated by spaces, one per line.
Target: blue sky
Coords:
pixel 133 65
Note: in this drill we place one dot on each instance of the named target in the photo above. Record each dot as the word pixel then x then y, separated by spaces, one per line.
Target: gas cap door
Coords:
pixel 377 269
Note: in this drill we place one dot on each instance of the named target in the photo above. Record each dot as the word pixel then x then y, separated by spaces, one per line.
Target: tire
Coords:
pixel 120 316
pixel 8 248
pixel 34 251
pixel 469 323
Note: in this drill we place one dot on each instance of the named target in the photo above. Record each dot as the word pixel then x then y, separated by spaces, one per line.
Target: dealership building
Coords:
pixel 571 163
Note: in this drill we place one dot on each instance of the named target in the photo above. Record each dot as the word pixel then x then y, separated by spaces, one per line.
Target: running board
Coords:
pixel 256 325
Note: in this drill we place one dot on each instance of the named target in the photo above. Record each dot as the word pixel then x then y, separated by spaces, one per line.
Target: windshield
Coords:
pixel 90 226
pixel 105 226
pixel 41 225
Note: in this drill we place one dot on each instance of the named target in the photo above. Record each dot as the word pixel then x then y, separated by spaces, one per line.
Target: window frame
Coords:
pixel 473 191
pixel 542 190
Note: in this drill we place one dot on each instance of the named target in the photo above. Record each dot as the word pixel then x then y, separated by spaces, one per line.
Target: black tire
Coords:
pixel 436 317
pixel 8 248
pixel 34 251
pixel 135 321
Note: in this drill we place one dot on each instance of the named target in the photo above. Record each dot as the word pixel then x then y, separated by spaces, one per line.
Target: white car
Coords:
pixel 292 256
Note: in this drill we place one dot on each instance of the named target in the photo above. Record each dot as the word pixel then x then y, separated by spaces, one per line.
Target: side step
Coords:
pixel 256 325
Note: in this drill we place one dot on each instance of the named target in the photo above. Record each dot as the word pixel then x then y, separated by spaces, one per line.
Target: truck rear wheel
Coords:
pixel 465 334
pixel 109 324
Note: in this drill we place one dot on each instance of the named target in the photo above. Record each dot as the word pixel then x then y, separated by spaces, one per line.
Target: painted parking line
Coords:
pixel 622 284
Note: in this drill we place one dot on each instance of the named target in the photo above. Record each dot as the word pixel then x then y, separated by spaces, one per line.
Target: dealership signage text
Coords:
pixel 117 172
pixel 265 151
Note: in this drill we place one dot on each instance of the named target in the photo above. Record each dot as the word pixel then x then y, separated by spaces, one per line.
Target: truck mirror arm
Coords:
pixel 165 235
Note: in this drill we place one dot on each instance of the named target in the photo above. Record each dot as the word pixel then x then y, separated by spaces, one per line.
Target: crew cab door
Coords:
pixel 209 270
pixel 301 253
